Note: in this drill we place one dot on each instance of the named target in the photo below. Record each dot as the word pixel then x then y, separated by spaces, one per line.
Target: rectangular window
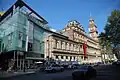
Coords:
pixel 30 46
pixel 81 57
pixel 23 44
pixel 20 35
pixel 61 57
pixel 74 57
pixel 57 44
pixel 9 43
pixel 42 55
pixel 10 40
pixel 80 46
pixel 66 57
pixel 56 56
pixel 70 57
pixel 85 58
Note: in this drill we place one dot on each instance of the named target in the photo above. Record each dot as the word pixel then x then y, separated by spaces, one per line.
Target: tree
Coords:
pixel 111 36
pixel 105 46
pixel 112 28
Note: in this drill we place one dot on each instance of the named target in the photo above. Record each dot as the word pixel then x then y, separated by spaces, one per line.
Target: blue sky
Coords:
pixel 59 12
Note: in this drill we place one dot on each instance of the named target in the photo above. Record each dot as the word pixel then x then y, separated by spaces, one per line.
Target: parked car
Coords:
pixel 83 73
pixel 54 68
pixel 116 62
pixel 74 66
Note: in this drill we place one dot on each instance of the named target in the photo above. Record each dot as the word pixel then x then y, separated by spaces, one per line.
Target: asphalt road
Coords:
pixel 105 72
pixel 108 72
pixel 66 75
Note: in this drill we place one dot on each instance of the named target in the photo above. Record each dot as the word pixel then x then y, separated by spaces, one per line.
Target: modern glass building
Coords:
pixel 22 33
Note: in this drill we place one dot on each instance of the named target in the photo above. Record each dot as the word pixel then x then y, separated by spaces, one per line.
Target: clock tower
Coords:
pixel 93 33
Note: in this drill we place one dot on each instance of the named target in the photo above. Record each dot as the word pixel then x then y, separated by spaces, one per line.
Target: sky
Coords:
pixel 59 12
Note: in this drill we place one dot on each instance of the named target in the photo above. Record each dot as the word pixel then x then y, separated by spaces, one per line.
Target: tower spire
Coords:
pixel 92 28
pixel 91 19
pixel 90 15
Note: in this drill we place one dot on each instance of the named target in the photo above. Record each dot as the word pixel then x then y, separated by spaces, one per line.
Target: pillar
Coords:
pixel 20 63
pixel 14 56
pixel 17 60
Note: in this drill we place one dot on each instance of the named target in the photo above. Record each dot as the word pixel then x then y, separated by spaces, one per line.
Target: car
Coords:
pixel 117 63
pixel 54 68
pixel 84 72
pixel 114 63
pixel 74 66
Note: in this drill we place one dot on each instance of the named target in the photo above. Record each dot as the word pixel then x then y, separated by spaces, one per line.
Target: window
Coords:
pixel 74 47
pixel 63 45
pixel 9 43
pixel 70 57
pixel 54 43
pixel 56 56
pixel 42 55
pixel 74 57
pixel 57 44
pixel 81 57
pixel 9 37
pixel 74 34
pixel 71 47
pixel 20 36
pixel 61 57
pixel 67 46
pixel 9 40
pixel 80 46
pixel 47 56
pixel 29 46
pixel 85 58
pixel 66 57
pixel 3 47
pixel 23 44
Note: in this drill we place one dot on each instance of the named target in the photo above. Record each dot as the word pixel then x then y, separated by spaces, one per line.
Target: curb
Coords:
pixel 19 75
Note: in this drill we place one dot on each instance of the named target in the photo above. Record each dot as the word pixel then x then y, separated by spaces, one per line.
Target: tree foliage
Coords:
pixel 112 28
pixel 104 42
pixel 110 39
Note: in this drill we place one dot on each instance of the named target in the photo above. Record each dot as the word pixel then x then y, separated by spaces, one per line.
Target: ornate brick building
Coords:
pixel 74 44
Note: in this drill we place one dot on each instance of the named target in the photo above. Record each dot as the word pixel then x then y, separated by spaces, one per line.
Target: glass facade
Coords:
pixel 19 30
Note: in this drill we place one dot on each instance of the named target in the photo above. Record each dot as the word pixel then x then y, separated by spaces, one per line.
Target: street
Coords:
pixel 45 76
pixel 108 72
pixel 105 72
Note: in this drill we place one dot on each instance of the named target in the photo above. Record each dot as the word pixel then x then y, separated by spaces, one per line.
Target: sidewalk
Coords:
pixel 13 74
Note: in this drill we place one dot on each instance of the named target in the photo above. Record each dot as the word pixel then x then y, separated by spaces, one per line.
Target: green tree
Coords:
pixel 105 46
pixel 112 28
pixel 111 36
